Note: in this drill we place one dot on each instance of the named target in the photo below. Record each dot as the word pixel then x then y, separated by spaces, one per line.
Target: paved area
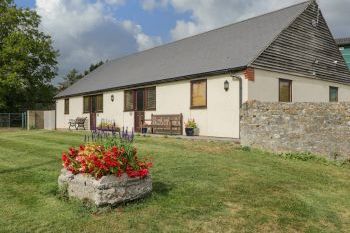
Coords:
pixel 194 138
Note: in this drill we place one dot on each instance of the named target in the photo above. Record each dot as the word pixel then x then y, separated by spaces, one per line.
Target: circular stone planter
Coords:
pixel 109 190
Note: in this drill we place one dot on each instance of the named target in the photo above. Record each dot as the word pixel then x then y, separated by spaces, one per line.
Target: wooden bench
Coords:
pixel 166 124
pixel 79 122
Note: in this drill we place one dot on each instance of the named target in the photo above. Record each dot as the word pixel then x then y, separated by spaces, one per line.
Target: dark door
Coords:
pixel 93 120
pixel 139 120
pixel 140 109
pixel 93 100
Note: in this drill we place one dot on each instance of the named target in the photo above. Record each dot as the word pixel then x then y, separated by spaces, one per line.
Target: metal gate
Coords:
pixel 13 120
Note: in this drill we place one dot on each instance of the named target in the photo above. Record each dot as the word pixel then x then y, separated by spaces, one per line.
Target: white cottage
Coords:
pixel 288 55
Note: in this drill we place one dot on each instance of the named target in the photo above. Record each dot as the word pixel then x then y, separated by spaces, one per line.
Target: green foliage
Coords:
pixel 245 148
pixel 191 123
pixel 27 60
pixel 73 76
pixel 121 143
pixel 305 156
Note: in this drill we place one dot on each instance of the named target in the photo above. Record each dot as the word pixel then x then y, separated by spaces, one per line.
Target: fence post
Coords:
pixel 9 119
pixel 25 120
pixel 22 118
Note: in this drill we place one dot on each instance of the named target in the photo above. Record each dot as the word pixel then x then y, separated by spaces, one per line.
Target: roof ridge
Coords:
pixel 215 29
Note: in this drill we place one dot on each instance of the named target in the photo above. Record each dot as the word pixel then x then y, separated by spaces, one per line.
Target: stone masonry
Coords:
pixel 319 128
pixel 109 190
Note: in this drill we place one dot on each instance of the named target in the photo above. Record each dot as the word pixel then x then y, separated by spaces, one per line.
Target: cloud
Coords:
pixel 87 32
pixel 144 41
pixel 210 14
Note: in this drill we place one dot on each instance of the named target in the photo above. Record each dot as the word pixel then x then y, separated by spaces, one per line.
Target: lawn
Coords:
pixel 198 187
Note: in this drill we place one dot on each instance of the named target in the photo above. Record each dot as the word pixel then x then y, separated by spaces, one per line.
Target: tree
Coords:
pixel 27 59
pixel 93 67
pixel 73 76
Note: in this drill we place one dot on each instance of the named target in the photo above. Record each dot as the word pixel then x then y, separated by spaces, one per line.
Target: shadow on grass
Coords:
pixel 161 188
pixel 27 167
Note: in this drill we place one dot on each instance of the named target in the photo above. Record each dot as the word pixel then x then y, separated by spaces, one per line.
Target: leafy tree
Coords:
pixel 73 76
pixel 93 67
pixel 27 59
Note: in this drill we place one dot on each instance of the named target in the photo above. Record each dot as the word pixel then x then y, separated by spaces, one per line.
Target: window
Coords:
pixel 140 99
pixel 150 98
pixel 199 94
pixel 333 94
pixel 66 106
pixel 86 104
pixel 129 100
pixel 285 90
pixel 99 103
pixel 93 103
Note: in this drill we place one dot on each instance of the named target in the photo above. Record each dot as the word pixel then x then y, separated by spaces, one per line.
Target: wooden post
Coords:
pixel 181 122
pixel 22 120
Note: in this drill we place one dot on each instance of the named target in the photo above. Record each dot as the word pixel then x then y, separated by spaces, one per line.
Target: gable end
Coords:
pixel 308 48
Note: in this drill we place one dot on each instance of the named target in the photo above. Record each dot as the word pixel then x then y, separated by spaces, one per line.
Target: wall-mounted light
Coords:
pixel 226 85
pixel 112 98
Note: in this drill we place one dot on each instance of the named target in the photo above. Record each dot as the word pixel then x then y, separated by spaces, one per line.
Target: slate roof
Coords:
pixel 343 41
pixel 231 47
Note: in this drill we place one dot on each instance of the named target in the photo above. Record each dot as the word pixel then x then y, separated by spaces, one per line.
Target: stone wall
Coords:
pixel 319 128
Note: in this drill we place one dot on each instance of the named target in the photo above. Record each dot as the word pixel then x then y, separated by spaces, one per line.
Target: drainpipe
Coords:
pixel 236 77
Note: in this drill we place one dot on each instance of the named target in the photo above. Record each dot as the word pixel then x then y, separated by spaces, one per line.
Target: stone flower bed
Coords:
pixel 108 190
pixel 107 172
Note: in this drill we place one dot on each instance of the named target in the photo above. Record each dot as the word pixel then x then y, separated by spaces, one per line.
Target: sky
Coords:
pixel 88 31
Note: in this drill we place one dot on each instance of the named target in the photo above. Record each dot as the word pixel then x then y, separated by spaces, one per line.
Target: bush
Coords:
pixel 246 148
pixel 305 156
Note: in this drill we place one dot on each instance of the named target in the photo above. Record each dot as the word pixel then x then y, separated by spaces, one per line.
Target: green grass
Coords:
pixel 198 187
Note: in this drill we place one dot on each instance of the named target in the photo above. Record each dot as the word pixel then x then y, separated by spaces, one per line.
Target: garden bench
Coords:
pixel 166 124
pixel 79 122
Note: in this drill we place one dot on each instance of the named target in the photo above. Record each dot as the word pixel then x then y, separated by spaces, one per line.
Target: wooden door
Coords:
pixel 92 120
pixel 139 120
pixel 140 109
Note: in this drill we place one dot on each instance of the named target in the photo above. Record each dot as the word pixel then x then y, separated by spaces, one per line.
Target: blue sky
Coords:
pixel 87 31
pixel 156 22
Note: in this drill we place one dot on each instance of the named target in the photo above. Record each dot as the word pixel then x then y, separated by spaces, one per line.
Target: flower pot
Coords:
pixel 144 130
pixel 196 132
pixel 189 131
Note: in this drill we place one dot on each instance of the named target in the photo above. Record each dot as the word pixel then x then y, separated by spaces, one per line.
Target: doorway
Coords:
pixel 93 105
pixel 139 116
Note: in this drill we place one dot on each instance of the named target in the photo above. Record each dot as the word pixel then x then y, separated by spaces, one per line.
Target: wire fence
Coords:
pixel 13 120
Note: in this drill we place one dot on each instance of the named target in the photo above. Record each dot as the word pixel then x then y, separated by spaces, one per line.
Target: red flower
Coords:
pixel 98 161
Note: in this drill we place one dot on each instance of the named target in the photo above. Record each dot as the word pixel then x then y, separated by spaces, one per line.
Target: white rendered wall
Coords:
pixel 219 119
pixel 265 88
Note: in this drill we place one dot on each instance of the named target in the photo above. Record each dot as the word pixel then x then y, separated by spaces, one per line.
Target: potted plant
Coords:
pixel 190 127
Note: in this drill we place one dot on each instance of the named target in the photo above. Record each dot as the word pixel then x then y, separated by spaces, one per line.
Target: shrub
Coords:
pixel 98 160
pixel 304 156
pixel 245 148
